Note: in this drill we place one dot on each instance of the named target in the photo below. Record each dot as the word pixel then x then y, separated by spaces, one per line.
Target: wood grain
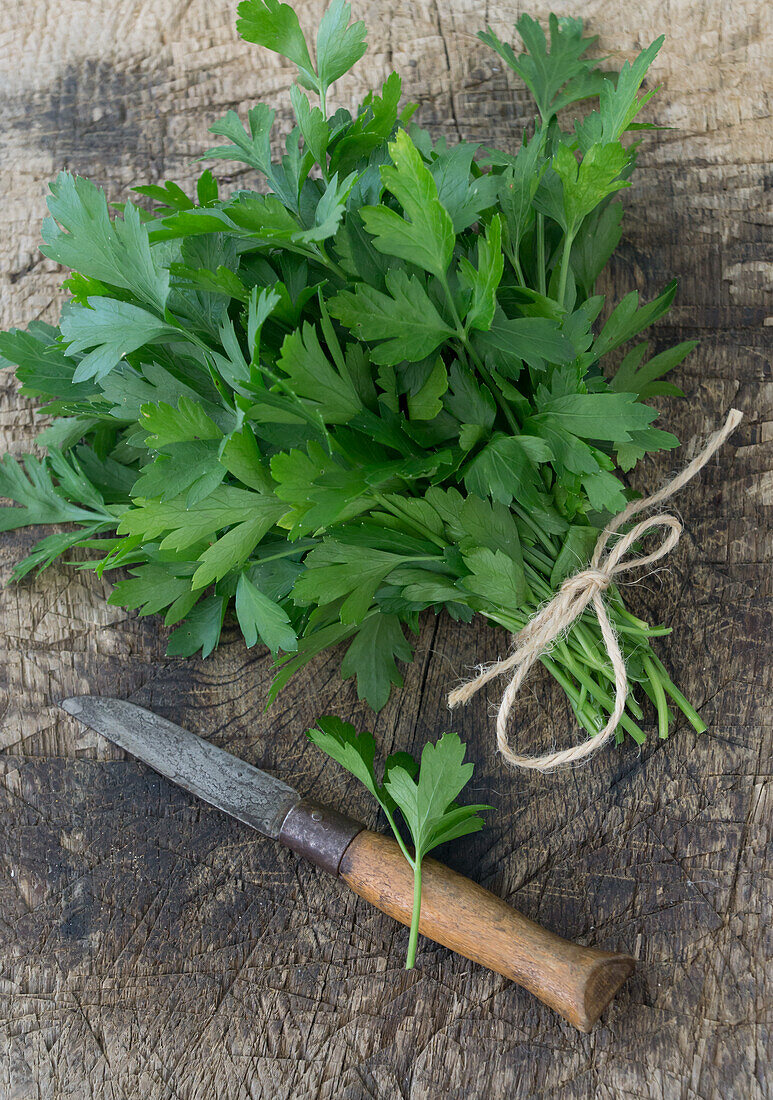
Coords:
pixel 579 982
pixel 151 948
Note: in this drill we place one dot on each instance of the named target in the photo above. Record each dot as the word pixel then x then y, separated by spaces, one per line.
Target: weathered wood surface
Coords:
pixel 150 948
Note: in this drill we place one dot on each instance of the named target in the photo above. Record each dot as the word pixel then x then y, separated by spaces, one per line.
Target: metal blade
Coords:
pixel 213 774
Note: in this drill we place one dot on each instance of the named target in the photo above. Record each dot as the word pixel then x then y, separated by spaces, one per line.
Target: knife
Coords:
pixel 578 982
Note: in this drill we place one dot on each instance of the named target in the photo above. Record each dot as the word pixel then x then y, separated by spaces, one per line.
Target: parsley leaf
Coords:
pixel 260 617
pixel 556 77
pixel 371 658
pixel 339 46
pixel 51 491
pixel 112 330
pixel 609 416
pixel 150 588
pixel 191 468
pixel 519 185
pixel 314 378
pixel 507 467
pixel 275 26
pixel 183 526
pixel 251 146
pixel 628 319
pixel 405 318
pixel 426 235
pixel 199 630
pixel 44 366
pixel 336 571
pixel 167 424
pixel 585 185
pixel 80 234
pixel 484 281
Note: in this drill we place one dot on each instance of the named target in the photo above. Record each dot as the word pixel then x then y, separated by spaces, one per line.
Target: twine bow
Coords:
pixel 575 594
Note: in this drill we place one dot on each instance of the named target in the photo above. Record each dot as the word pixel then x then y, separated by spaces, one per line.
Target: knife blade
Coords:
pixel 212 774
pixel 577 981
pixel 252 796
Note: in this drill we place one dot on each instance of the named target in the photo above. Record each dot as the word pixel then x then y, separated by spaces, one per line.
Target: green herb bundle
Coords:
pixel 373 388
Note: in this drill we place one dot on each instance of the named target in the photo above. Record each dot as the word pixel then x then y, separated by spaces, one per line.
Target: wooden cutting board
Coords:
pixel 151 948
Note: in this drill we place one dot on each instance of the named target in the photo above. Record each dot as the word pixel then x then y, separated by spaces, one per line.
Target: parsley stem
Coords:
pixel 564 274
pixel 295 548
pixel 649 691
pixel 604 670
pixel 583 635
pixel 512 254
pixel 542 535
pixel 581 647
pixel 540 234
pixel 617 600
pixel 599 694
pixel 628 623
pixel 415 863
pixel 398 835
pixel 686 707
pixel 561 655
pixel 623 627
pixel 659 697
pixel 579 644
pixel 538 584
pixel 418 527
pixel 413 939
pixel 461 335
pixel 331 264
pixel 485 374
pixel 319 255
pixel 537 559
pixel 590 722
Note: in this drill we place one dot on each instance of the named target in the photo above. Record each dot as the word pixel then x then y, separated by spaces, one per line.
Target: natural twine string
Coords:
pixel 575 594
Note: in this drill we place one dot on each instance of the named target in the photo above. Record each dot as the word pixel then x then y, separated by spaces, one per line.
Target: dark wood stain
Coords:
pixel 90 114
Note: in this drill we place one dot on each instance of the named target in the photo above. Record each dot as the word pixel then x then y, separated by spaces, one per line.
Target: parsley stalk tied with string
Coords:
pixel 371 383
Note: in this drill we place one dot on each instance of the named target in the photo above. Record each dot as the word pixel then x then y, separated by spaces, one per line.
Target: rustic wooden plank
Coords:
pixel 151 947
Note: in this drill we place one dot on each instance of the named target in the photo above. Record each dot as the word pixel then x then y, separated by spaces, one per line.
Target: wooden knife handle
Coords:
pixel 579 982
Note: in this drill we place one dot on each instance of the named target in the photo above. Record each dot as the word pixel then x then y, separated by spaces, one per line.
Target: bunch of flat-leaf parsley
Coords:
pixel 372 388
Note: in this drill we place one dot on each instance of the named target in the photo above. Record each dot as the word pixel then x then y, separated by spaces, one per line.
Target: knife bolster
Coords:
pixel 320 834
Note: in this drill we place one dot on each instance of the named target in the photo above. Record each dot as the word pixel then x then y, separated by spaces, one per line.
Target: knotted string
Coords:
pixel 575 594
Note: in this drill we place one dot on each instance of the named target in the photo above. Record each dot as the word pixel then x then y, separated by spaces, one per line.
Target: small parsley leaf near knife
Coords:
pixel 425 794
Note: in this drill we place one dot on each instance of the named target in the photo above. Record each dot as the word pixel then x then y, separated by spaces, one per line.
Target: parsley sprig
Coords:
pixel 425 794
pixel 372 386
